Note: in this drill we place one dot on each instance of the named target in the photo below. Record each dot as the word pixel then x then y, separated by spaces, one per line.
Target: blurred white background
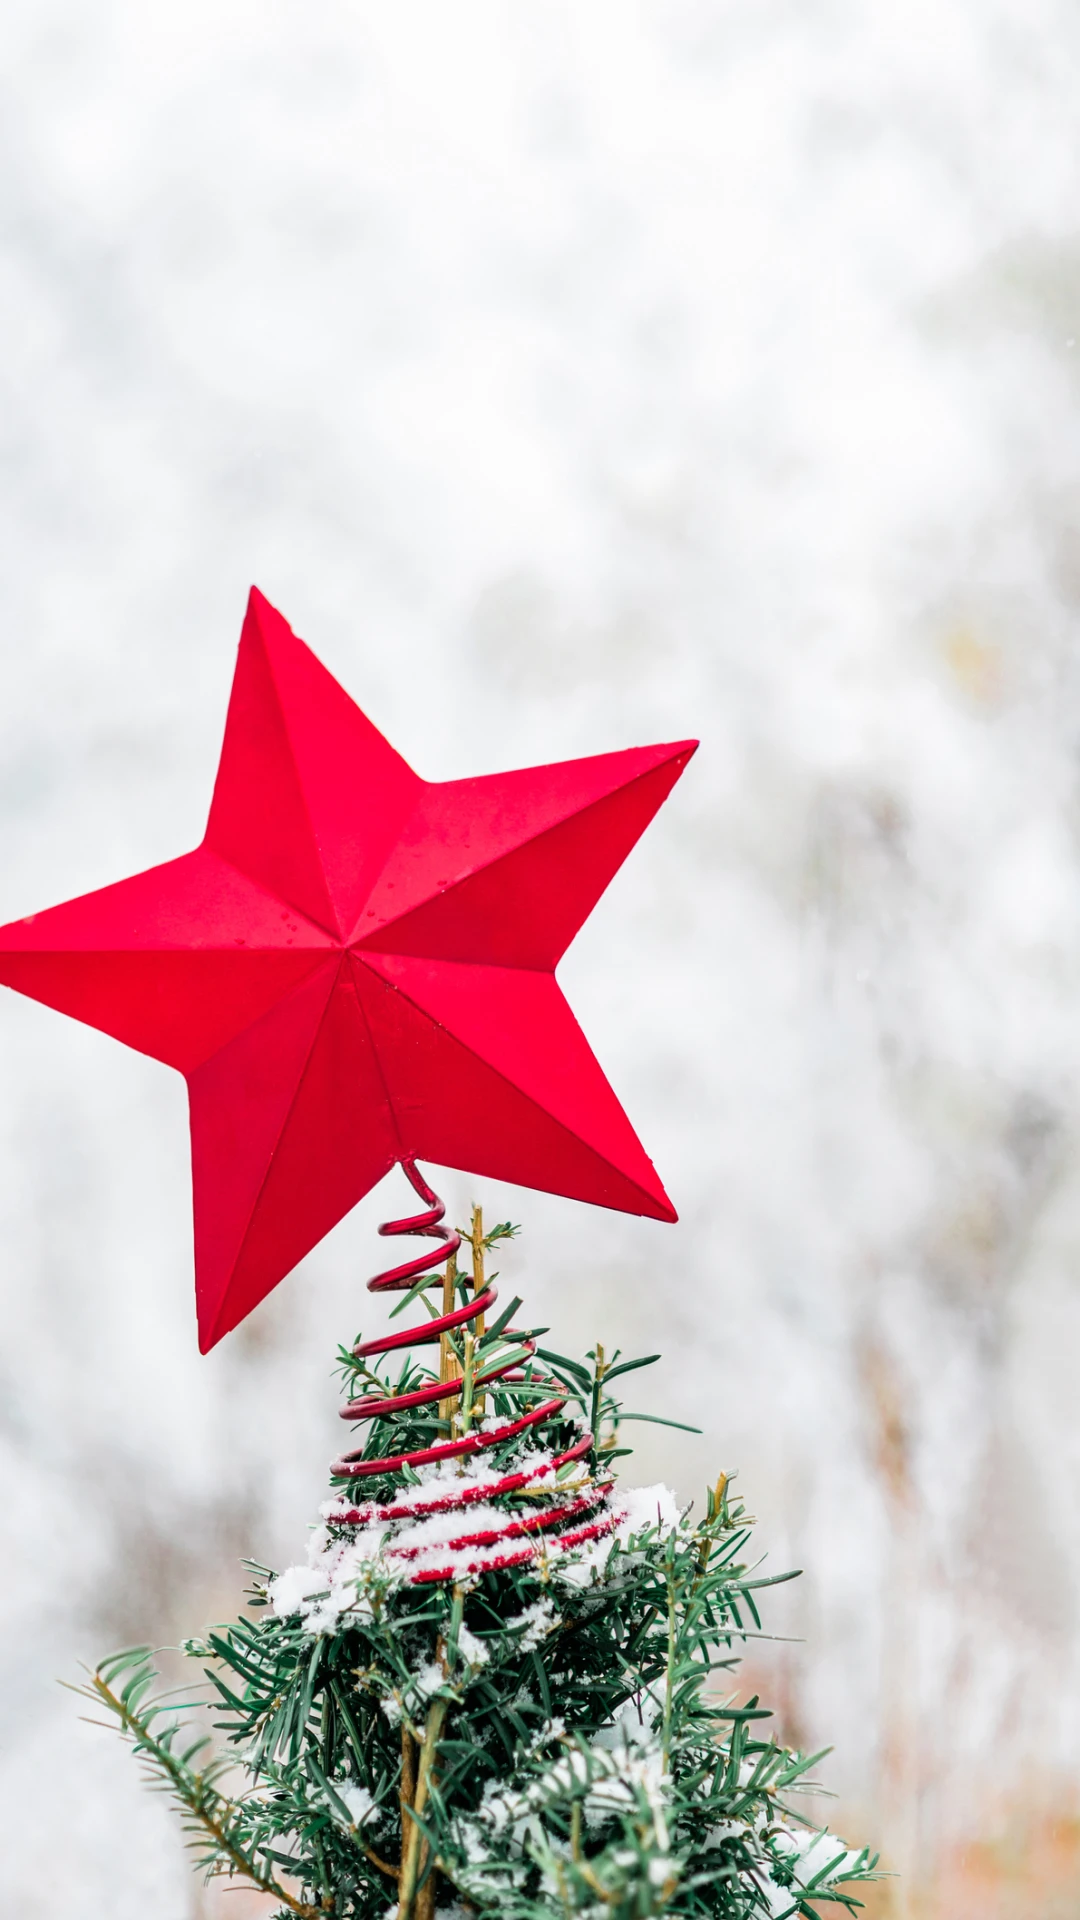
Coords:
pixel 573 375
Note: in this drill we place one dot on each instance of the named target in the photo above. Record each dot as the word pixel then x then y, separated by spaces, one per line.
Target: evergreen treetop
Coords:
pixel 501 1683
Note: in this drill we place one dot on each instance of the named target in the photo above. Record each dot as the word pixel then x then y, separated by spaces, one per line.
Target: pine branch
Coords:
pixel 194 1791
pixel 589 1767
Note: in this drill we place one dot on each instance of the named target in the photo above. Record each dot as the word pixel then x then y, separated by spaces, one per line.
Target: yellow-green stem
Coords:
pixel 412 1840
pixel 598 1392
pixel 477 1242
pixel 670 1678
pixel 218 1831
pixel 448 1363
pixel 467 1408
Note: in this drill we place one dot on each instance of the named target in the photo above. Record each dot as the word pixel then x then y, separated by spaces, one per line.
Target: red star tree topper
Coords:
pixel 356 967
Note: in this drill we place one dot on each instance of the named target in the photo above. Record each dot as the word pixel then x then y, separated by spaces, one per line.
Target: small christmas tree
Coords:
pixel 493 1686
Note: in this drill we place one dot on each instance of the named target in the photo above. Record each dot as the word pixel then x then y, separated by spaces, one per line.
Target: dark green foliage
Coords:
pixel 558 1728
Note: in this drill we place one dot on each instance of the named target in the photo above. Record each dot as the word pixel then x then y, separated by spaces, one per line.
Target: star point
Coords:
pixel 357 966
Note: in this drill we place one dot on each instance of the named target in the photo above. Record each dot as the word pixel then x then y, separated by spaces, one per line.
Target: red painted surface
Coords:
pixel 356 967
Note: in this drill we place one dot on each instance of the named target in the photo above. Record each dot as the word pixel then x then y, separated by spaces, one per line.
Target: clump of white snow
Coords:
pixel 635 1510
pixel 533 1625
pixel 330 1590
pixel 633 1724
pixel 361 1544
pixel 807 1854
pixel 357 1798
pixel 472 1649
pixel 641 1507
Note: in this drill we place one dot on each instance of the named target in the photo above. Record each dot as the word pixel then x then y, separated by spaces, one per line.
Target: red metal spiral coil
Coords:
pixel 351 1465
pixel 578 1512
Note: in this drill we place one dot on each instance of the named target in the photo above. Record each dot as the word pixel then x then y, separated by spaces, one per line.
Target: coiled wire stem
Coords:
pixel 401 1279
pixel 573 1514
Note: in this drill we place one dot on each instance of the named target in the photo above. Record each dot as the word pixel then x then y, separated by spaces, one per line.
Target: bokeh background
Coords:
pixel 573 375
